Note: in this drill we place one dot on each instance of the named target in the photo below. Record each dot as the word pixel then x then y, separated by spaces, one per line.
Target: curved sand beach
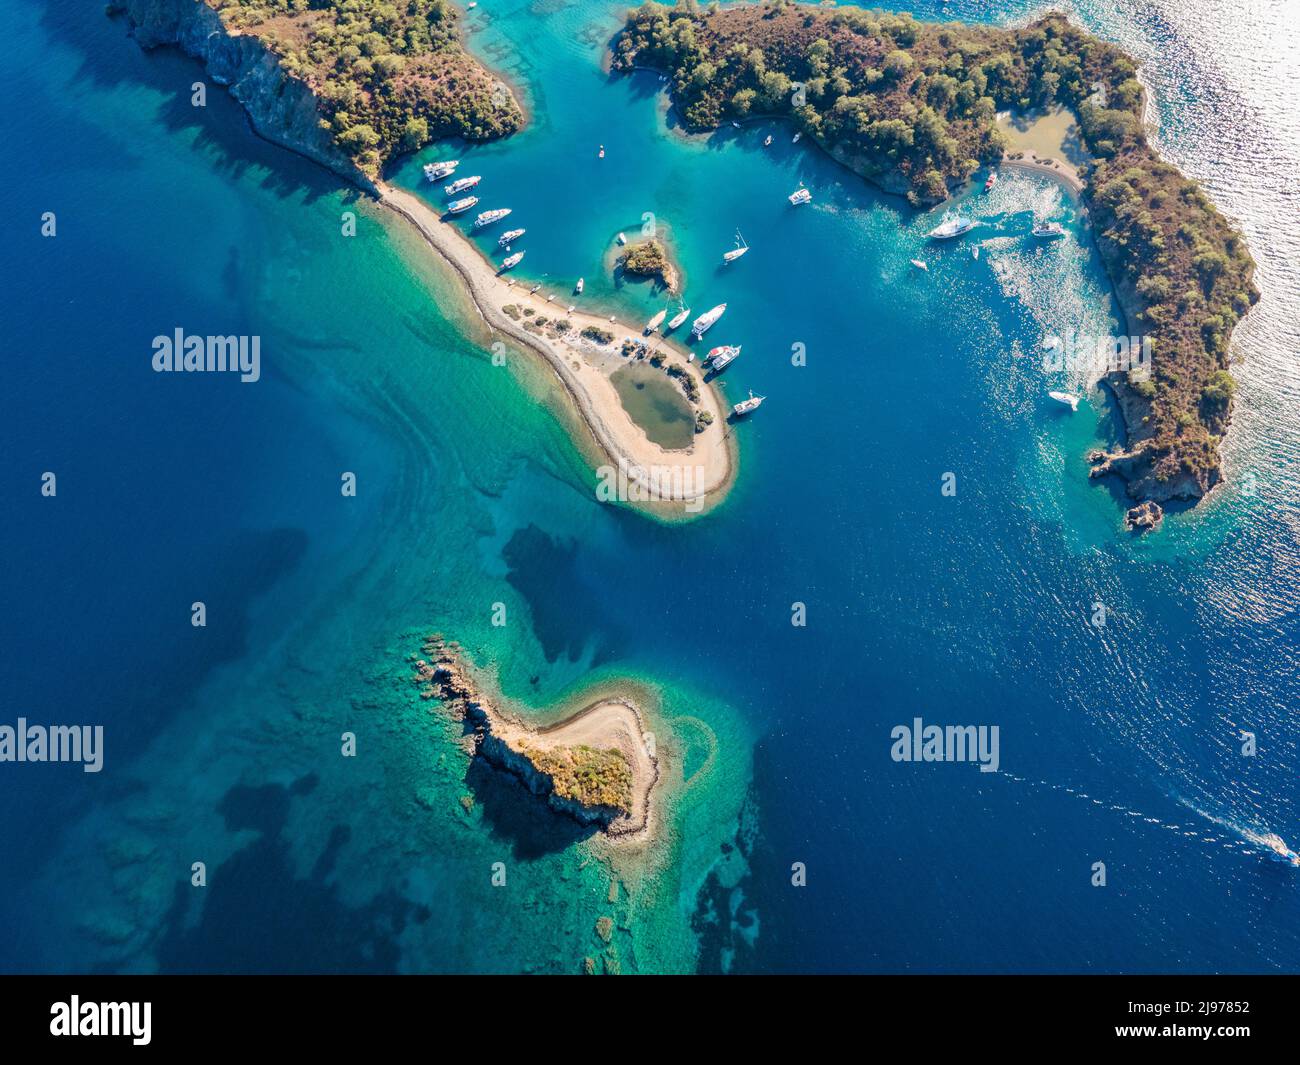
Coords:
pixel 692 476
pixel 611 723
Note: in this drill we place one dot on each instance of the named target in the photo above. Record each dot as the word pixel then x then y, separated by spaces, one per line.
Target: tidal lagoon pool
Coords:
pixel 475 503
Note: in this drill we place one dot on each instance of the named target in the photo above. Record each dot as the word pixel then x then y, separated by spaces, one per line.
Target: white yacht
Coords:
pixel 800 195
pixel 720 358
pixel 462 205
pixel 952 227
pixel 1068 398
pixel 746 405
pixel 461 184
pixel 436 171
pixel 736 252
pixel 509 237
pixel 1048 230
pixel 706 320
pixel 512 261
pixel 488 217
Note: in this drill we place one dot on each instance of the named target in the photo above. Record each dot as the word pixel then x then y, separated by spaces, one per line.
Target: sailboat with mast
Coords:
pixel 736 252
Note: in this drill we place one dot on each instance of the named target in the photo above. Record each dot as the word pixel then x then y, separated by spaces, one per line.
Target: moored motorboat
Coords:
pixel 800 195
pixel 512 261
pixel 462 205
pixel 1048 230
pixel 461 184
pixel 579 286
pixel 952 227
pixel 435 171
pixel 795 138
pixel 920 264
pixel 1068 398
pixel 488 217
pixel 992 180
pixel 622 239
pixel 719 357
pixel 509 237
pixel 745 406
pixel 705 321
pixel 767 141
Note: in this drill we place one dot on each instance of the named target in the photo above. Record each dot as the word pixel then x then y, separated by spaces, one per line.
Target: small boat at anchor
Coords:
pixel 461 206
pixel 656 321
pixel 736 252
pixel 767 141
pixel 705 321
pixel 920 264
pixel 579 287
pixel 677 319
pixel 512 261
pixel 720 358
pixel 1048 230
pixel 745 406
pixel 992 180
pixel 800 195
pixel 621 239
pixel 1068 398
pixel 795 138
pixel 953 227
pixel 488 217
pixel 509 237
pixel 461 185
pixel 436 171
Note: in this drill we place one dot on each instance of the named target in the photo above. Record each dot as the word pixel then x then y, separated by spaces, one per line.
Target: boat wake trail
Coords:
pixel 1225 833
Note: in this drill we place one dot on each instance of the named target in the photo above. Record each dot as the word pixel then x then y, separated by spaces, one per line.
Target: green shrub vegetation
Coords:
pixel 586 775
pixel 389 75
pixel 912 105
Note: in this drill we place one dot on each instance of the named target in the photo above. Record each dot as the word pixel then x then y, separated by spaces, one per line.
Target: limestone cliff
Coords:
pixel 282 108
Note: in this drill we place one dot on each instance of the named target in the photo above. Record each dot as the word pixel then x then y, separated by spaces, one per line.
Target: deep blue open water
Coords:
pixel 1118 745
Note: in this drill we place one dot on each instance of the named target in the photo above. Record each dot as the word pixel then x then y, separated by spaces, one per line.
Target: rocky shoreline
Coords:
pixel 510 745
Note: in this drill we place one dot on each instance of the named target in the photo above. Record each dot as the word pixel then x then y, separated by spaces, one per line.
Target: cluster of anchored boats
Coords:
pixel 719 358
pixel 438 171
pixel 959 225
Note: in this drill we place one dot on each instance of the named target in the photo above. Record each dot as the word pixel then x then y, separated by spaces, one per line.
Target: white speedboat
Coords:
pixel 736 252
pixel 461 184
pixel 1068 398
pixel 656 321
pixel 1048 230
pixel 800 195
pixel 462 205
pixel 579 287
pixel 746 405
pixel 488 217
pixel 1280 851
pixel 767 141
pixel 920 264
pixel 719 358
pixel 795 138
pixel 437 171
pixel 622 239
pixel 677 319
pixel 509 237
pixel 512 261
pixel 706 320
pixel 953 227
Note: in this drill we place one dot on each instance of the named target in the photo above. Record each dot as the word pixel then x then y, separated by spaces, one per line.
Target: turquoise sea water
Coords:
pixel 968 609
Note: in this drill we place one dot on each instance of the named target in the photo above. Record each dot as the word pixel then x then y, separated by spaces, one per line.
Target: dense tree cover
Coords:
pixel 389 75
pixel 912 105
